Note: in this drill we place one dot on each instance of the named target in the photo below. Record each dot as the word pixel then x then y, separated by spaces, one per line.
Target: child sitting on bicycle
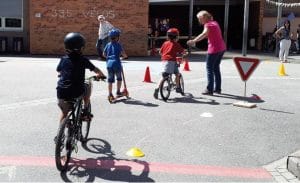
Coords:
pixel 112 52
pixel 169 51
pixel 71 69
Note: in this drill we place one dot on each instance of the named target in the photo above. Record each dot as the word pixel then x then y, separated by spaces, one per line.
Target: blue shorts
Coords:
pixel 112 72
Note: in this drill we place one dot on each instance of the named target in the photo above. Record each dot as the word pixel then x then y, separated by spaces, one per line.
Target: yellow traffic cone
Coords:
pixel 281 71
pixel 135 152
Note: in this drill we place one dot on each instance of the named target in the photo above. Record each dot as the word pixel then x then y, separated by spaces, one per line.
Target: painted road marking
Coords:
pixel 206 115
pixel 136 165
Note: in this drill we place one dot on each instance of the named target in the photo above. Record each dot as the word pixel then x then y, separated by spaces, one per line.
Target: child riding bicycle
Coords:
pixel 112 52
pixel 71 69
pixel 169 51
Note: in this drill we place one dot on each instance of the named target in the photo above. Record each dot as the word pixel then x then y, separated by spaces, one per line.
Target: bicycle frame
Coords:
pixel 70 131
pixel 75 114
pixel 172 80
pixel 75 119
pixel 172 77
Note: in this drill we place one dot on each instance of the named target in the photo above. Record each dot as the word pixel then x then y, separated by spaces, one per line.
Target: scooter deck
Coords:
pixel 115 99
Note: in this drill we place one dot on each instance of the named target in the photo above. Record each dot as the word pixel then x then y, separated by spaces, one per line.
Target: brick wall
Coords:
pixel 51 20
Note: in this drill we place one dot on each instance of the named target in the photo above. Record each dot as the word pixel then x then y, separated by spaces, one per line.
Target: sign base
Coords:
pixel 244 104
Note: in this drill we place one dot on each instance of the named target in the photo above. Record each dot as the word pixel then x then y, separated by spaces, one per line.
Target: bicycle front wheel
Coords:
pixel 165 88
pixel 85 125
pixel 63 148
pixel 181 84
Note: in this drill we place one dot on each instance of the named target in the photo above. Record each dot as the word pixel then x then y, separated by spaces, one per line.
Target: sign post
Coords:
pixel 246 67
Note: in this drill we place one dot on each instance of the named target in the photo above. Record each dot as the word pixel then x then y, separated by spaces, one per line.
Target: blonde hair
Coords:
pixel 205 14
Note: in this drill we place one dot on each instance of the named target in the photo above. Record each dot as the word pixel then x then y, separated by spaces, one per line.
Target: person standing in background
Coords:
pixel 104 28
pixel 284 34
pixel 215 51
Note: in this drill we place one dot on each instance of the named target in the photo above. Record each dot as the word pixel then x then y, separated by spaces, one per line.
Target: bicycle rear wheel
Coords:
pixel 165 88
pixel 63 148
pixel 85 125
pixel 181 84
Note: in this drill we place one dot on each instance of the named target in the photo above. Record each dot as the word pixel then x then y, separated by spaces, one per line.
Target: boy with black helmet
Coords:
pixel 112 52
pixel 71 69
pixel 169 51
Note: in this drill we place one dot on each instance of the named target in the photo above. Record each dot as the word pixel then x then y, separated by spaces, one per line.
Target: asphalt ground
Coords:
pixel 189 138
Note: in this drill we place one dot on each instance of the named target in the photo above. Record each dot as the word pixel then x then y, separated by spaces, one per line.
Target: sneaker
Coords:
pixel 111 98
pixel 86 115
pixel 206 92
pixel 217 91
pixel 178 90
pixel 155 95
pixel 119 94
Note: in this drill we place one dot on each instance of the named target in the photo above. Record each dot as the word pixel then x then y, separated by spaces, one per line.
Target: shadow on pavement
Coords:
pixel 189 98
pixel 132 101
pixel 106 167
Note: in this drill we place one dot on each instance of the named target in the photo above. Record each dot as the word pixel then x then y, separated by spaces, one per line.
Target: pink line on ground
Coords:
pixel 254 173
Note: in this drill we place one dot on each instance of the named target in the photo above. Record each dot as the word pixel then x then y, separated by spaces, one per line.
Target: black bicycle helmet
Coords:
pixel 74 41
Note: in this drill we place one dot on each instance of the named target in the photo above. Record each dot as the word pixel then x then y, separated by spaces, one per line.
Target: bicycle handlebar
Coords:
pixel 96 78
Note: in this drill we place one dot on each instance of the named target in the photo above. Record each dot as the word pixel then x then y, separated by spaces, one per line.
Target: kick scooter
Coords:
pixel 124 93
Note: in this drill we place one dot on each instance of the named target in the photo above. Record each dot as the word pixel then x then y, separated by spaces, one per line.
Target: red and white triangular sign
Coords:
pixel 245 66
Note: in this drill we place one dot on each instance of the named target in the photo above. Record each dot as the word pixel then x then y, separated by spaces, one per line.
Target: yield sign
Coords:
pixel 245 66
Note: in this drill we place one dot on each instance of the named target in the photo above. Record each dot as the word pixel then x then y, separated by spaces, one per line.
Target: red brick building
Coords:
pixel 51 20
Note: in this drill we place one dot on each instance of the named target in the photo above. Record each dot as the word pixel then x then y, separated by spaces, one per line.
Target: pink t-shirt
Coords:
pixel 215 40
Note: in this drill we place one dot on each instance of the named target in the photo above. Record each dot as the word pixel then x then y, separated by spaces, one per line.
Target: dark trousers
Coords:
pixel 213 71
pixel 100 45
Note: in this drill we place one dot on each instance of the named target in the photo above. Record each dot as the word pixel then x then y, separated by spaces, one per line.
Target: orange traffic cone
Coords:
pixel 147 77
pixel 186 65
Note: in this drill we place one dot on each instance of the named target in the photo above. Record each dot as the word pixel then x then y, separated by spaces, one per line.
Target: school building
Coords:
pixel 39 26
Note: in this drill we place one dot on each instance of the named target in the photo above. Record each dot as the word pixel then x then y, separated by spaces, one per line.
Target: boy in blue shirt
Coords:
pixel 112 52
pixel 71 69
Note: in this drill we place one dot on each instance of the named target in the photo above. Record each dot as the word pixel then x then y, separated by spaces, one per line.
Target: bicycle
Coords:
pixel 169 83
pixel 72 129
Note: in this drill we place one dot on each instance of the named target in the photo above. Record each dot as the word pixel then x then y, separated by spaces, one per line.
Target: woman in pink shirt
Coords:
pixel 215 51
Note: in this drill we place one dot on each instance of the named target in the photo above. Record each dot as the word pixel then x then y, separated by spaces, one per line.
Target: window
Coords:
pixel 11 15
pixel 13 23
